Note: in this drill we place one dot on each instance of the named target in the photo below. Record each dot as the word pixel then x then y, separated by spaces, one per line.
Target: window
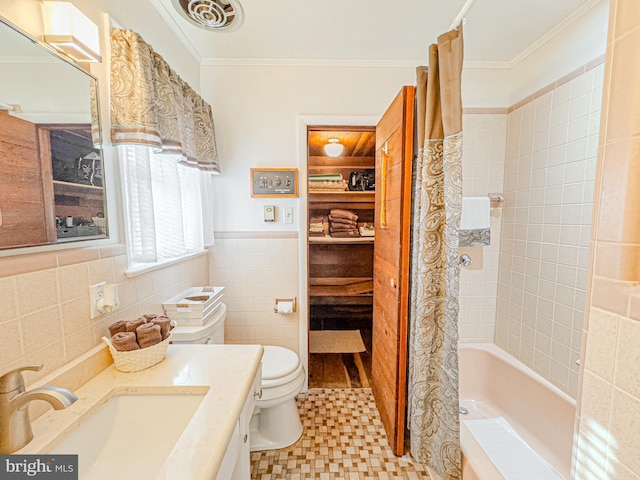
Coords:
pixel 167 206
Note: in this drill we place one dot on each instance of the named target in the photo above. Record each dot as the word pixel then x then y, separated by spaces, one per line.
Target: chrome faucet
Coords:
pixel 15 424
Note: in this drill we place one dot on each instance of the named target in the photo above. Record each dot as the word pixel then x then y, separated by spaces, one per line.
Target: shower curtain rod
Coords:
pixel 463 13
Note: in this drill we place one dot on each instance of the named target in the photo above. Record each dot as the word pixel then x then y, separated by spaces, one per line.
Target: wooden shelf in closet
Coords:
pixel 329 240
pixel 77 190
pixel 345 197
pixel 341 290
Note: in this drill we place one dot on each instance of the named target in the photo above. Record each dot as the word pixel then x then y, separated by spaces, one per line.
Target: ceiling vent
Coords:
pixel 211 14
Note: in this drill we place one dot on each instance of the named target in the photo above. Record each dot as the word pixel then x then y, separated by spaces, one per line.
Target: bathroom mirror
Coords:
pixel 51 176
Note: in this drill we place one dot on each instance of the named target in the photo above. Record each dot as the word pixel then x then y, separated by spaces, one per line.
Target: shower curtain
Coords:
pixel 437 204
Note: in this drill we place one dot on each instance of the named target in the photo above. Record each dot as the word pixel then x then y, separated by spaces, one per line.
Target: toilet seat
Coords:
pixel 279 366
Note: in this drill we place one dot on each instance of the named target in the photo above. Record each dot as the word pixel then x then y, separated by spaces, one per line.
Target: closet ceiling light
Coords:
pixel 211 14
pixel 333 148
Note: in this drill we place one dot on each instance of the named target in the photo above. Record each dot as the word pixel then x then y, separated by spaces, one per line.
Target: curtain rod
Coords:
pixel 463 13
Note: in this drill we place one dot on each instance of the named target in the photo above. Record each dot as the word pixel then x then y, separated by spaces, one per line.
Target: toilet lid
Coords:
pixel 278 362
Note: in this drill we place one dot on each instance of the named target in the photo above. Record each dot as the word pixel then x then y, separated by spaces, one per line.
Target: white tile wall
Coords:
pixel 549 180
pixel 46 313
pixel 483 157
pixel 256 271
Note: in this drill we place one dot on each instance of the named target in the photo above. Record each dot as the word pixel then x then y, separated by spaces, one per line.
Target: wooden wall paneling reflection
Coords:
pixel 21 192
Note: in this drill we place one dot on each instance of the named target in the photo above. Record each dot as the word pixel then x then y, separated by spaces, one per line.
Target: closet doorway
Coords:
pixel 341 204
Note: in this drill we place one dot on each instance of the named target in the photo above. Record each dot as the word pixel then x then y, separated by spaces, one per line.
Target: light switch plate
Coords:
pixel 287 216
pixel 269 213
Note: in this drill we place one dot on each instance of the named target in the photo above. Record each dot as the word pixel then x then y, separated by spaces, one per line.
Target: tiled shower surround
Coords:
pixel 483 153
pixel 552 147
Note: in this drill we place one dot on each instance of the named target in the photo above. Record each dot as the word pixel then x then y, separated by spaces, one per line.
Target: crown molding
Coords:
pixel 173 25
pixel 308 62
pixel 555 31
pixel 487 65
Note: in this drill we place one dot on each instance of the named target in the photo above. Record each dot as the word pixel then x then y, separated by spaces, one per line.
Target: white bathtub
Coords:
pixel 494 384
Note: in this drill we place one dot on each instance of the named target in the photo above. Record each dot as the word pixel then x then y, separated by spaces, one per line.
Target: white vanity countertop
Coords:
pixel 225 372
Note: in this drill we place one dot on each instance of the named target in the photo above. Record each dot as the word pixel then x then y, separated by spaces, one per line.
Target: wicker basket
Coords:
pixel 136 360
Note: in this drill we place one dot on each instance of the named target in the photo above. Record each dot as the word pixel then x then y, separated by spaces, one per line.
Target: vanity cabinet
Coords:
pixel 236 464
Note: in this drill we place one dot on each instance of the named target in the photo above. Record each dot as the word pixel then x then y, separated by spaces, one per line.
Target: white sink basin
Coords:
pixel 129 436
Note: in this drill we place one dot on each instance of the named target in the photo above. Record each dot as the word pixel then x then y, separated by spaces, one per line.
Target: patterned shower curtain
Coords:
pixel 437 205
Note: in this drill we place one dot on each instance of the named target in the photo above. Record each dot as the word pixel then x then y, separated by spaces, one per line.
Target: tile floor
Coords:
pixel 343 439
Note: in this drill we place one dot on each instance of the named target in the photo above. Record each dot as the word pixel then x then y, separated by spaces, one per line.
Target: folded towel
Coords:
pixel 165 324
pixel 316 234
pixel 329 185
pixel 125 341
pixel 132 325
pixel 316 220
pixel 338 213
pixel 117 327
pixel 351 233
pixel 336 227
pixel 345 221
pixel 148 334
pixel 325 176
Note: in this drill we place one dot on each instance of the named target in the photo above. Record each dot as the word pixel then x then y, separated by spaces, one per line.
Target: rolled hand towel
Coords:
pixel 117 327
pixel 133 325
pixel 125 341
pixel 164 323
pixel 150 316
pixel 338 213
pixel 148 334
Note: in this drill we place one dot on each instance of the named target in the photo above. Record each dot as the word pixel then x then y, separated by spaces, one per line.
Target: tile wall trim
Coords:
pixel 485 111
pixel 244 235
pixel 35 262
pixel 599 60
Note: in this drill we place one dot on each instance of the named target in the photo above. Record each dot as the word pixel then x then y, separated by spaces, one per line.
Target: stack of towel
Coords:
pixel 316 227
pixel 327 182
pixel 142 332
pixel 343 224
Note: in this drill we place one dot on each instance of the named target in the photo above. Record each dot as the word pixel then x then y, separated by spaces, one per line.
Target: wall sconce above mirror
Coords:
pixel 70 32
pixel 51 175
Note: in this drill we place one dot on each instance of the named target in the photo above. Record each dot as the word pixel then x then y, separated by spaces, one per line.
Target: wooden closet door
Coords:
pixel 394 154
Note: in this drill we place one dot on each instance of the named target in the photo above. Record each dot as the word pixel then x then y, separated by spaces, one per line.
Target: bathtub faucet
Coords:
pixel 15 424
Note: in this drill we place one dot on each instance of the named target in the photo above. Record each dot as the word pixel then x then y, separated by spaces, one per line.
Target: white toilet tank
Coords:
pixel 212 332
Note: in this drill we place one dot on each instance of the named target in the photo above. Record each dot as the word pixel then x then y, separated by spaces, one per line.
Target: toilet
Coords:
pixel 275 422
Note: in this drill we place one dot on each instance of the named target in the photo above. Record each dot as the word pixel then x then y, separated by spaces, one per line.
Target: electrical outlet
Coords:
pixel 96 292
pixel 288 215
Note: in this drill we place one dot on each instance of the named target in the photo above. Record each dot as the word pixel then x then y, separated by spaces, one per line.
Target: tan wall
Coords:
pixel 609 403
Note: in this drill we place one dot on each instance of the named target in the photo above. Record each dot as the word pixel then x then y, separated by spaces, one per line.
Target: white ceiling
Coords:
pixel 374 30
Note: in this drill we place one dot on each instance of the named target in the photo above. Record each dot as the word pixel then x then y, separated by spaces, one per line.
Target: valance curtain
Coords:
pixel 437 205
pixel 152 106
pixel 164 136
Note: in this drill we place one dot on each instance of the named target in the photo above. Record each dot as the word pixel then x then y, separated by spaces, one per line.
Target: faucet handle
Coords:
pixel 12 380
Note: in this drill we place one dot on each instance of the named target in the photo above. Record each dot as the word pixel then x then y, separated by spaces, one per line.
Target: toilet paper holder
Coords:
pixel 281 305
